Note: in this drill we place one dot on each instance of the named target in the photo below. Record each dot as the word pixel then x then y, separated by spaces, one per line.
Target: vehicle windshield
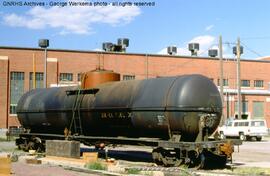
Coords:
pixel 257 123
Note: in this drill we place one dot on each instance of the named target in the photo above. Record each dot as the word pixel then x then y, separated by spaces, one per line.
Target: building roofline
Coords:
pixel 247 92
pixel 120 53
pixel 263 57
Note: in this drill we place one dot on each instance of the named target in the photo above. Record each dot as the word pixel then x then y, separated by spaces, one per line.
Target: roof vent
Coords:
pixel 43 43
pixel 124 42
pixel 213 52
pixel 107 46
pixel 172 50
pixel 235 50
pixel 194 48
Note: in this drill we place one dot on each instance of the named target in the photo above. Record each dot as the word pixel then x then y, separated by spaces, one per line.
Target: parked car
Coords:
pixel 244 129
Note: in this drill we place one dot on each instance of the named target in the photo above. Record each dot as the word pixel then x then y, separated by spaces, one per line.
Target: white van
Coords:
pixel 244 129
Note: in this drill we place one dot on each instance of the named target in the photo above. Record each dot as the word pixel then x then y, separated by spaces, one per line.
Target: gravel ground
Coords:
pixel 20 168
pixel 251 154
pixel 23 169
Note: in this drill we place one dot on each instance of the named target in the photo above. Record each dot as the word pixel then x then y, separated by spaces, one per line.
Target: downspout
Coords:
pixel 7 105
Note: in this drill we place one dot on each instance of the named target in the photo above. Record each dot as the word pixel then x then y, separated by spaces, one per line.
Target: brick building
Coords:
pixel 65 66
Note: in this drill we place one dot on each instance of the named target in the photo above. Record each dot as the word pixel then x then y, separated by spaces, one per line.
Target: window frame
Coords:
pixel 243 83
pixel 225 82
pixel 65 76
pixel 15 76
pixel 39 75
pixel 130 77
pixel 79 77
pixel 258 83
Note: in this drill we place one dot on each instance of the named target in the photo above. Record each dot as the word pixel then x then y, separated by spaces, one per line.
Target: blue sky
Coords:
pixel 150 29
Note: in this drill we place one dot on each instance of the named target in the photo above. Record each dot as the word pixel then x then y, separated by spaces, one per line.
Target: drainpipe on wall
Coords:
pixel 7 105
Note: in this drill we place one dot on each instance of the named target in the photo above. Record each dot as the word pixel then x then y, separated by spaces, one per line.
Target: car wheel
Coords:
pixel 221 135
pixel 258 138
pixel 242 137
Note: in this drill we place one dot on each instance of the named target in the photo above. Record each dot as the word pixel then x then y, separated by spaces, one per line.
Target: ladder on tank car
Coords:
pixel 76 114
pixel 76 122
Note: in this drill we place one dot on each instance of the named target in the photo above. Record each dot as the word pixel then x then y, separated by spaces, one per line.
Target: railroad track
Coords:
pixel 183 171
pixel 163 169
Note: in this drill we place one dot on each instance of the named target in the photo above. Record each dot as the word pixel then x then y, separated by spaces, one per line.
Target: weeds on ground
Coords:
pixel 5 139
pixel 96 166
pixel 184 170
pixel 133 171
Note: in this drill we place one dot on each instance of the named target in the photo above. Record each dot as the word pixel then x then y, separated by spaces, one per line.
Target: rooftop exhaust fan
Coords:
pixel 193 48
pixel 213 52
pixel 107 46
pixel 172 50
pixel 235 50
pixel 43 43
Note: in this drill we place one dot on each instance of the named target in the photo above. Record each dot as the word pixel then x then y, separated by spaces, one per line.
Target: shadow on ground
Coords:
pixel 129 155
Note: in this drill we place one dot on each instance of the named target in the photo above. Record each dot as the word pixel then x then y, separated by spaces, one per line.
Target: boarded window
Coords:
pixel 39 80
pixel 16 89
pixel 258 110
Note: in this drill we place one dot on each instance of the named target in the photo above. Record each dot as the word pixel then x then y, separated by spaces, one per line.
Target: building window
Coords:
pixel 38 78
pixel 128 77
pixel 225 82
pixel 258 83
pixel 79 77
pixel 16 89
pixel 245 83
pixel 258 110
pixel 66 77
pixel 244 107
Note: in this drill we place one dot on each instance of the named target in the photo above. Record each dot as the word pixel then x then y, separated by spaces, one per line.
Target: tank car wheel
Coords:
pixel 197 160
pixel 242 137
pixel 210 160
pixel 31 145
pixel 166 158
pixel 40 147
pixel 171 162
pixel 157 157
pixel 100 146
pixel 23 146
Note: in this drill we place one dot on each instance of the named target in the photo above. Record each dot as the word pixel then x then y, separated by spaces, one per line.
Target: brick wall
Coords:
pixel 3 90
pixel 142 66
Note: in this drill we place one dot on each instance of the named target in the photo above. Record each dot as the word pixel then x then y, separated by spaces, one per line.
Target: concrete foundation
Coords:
pixel 61 148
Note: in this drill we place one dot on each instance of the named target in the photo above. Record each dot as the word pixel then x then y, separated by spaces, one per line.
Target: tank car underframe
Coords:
pixel 206 154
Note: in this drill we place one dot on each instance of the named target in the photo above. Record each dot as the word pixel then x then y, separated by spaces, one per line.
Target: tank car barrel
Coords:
pixel 159 108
